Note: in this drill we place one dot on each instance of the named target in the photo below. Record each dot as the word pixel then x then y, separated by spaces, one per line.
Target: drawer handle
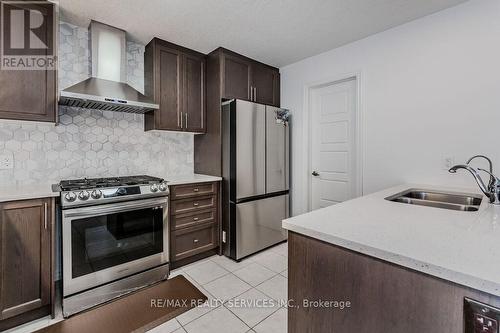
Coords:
pixel 195 189
pixel 195 241
pixel 195 204
pixel 195 218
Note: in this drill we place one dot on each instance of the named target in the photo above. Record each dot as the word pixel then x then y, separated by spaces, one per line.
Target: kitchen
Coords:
pixel 223 144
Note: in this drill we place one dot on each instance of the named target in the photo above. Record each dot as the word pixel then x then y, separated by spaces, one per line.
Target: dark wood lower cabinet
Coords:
pixel 194 240
pixel 384 298
pixel 194 222
pixel 26 260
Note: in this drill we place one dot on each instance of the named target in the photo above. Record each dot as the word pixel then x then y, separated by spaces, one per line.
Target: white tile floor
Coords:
pixel 261 279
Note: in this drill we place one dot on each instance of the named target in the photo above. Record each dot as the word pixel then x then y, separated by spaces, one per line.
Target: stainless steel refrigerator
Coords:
pixel 255 159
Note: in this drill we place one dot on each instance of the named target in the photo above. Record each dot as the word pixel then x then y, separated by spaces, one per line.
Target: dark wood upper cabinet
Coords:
pixel 237 73
pixel 25 260
pixel 29 94
pixel 231 75
pixel 194 93
pixel 265 83
pixel 175 78
pixel 169 88
pixel 247 79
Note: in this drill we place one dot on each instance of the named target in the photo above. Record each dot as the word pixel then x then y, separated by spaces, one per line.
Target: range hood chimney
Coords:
pixel 106 89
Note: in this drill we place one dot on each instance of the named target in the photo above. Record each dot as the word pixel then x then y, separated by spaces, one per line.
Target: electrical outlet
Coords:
pixel 485 324
pixel 6 161
pixel 480 318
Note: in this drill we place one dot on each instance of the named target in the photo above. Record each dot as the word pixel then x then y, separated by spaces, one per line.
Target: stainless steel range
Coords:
pixel 114 237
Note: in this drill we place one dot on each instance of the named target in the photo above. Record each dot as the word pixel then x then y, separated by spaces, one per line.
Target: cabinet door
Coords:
pixel 168 88
pixel 25 256
pixel 29 94
pixel 264 83
pixel 236 77
pixel 194 93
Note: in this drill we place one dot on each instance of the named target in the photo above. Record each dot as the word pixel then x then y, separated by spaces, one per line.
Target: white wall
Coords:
pixel 430 89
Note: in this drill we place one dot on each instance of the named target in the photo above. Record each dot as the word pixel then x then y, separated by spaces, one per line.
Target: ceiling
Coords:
pixel 277 32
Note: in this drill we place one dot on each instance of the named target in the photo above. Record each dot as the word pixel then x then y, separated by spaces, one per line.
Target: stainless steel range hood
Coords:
pixel 106 89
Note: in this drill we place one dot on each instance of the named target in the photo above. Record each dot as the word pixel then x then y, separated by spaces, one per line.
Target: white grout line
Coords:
pixel 234 314
pixel 267 317
pixel 189 322
pixel 259 321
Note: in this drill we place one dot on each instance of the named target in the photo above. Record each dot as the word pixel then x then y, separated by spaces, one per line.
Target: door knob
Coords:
pixel 315 173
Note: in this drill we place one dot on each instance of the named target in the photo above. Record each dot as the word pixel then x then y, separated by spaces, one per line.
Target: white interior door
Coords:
pixel 333 143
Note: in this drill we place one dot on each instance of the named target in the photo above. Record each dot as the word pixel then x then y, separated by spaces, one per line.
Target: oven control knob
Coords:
pixel 83 195
pixel 96 194
pixel 70 196
pixel 162 187
pixel 154 188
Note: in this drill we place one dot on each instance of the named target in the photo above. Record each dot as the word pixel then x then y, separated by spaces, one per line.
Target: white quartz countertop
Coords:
pixel 462 247
pixel 24 192
pixel 191 178
pixel 34 191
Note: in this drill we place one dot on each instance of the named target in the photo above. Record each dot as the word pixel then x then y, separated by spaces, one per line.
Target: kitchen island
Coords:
pixel 399 267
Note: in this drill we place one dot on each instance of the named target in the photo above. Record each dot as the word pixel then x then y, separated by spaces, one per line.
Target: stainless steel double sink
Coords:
pixel 446 200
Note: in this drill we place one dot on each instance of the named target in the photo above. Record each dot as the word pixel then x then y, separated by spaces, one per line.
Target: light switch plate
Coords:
pixel 6 161
pixel 448 162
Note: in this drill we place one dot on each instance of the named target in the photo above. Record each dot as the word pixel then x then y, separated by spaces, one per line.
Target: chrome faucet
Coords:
pixel 490 172
pixel 492 191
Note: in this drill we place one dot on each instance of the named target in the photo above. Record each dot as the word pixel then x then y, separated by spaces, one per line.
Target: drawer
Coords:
pixel 190 241
pixel 190 190
pixel 193 204
pixel 192 219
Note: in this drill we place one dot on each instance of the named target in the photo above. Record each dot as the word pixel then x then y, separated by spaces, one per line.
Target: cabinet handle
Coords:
pixel 251 93
pixel 195 241
pixel 195 204
pixel 45 212
pixel 196 189
pixel 186 115
pixel 255 94
pixel 195 218
pixel 181 121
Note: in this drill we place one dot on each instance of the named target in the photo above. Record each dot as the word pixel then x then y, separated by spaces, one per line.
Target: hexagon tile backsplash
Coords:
pixel 91 143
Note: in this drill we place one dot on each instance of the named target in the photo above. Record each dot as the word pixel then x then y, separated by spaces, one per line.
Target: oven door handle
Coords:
pixel 114 208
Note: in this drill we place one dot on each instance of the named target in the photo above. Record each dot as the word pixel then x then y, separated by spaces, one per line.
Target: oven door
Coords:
pixel 108 242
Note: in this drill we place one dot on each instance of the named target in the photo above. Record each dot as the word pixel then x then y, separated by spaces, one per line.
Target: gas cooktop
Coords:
pixel 92 183
pixel 95 191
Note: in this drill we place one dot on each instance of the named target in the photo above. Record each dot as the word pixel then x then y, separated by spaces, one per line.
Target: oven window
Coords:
pixel 102 242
